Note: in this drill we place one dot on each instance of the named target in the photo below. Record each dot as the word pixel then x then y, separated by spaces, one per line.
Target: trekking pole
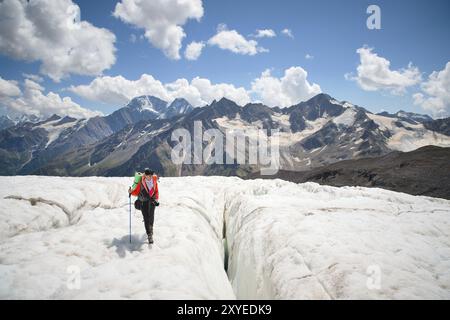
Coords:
pixel 129 197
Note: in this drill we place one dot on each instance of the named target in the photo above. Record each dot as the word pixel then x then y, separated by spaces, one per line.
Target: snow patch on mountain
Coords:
pixel 285 135
pixel 408 137
pixel 348 105
pixel 347 118
pixel 54 129
pixel 144 103
pixel 402 140
pixel 334 101
pixel 289 138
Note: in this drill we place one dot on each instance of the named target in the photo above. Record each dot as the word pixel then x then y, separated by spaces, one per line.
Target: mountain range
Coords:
pixel 28 147
pixel 313 133
pixel 8 122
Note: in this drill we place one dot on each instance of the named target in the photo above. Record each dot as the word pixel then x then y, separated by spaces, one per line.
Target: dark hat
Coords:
pixel 148 172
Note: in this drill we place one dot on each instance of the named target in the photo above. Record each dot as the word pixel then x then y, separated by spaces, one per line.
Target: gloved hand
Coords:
pixel 154 202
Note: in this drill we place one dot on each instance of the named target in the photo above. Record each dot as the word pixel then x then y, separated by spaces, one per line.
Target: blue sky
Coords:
pixel 330 31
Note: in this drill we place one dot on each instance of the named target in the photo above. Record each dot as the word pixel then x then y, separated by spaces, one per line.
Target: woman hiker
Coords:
pixel 146 188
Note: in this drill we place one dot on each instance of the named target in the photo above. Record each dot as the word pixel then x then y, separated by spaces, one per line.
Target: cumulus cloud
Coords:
pixel 8 88
pixel 33 101
pixel 233 41
pixel 285 91
pixel 52 32
pixel 34 77
pixel 162 20
pixel 119 90
pixel 436 93
pixel 288 90
pixel 374 73
pixel 209 91
pixel 194 50
pixel 287 32
pixel 268 33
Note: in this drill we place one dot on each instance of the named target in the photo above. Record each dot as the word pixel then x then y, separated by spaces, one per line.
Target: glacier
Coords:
pixel 49 225
pixel 220 238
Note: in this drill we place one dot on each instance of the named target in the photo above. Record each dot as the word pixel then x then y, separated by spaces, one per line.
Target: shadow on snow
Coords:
pixel 123 244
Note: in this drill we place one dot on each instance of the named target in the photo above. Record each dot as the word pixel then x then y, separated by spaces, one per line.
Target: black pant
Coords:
pixel 148 211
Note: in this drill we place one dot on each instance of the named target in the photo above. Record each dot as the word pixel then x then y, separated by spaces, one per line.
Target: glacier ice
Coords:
pixel 283 241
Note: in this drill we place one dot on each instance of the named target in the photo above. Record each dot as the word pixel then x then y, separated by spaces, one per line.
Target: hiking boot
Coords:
pixel 150 235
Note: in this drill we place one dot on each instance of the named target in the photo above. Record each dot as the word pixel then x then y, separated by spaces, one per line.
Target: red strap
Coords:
pixel 155 186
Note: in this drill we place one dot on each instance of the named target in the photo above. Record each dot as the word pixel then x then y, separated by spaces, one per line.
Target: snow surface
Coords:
pixel 284 241
pixel 83 222
pixel 347 118
pixel 308 241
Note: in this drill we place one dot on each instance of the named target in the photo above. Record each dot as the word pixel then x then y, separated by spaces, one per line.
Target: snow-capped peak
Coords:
pixel 148 103
pixel 27 118
pixel 177 107
pixel 347 104
pixel 180 104
pixel 408 116
pixel 413 116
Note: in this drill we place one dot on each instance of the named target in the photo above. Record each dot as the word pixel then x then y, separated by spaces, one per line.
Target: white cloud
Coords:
pixel 269 33
pixel 288 33
pixel 162 20
pixel 34 77
pixel 374 73
pixel 8 88
pixel 52 32
pixel 233 41
pixel 33 101
pixel 288 90
pixel 309 57
pixel 118 90
pixel 210 92
pixel 194 50
pixel 436 93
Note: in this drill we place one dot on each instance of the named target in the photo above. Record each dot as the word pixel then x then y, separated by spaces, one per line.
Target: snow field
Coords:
pixel 306 241
pixel 284 241
pixel 40 246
